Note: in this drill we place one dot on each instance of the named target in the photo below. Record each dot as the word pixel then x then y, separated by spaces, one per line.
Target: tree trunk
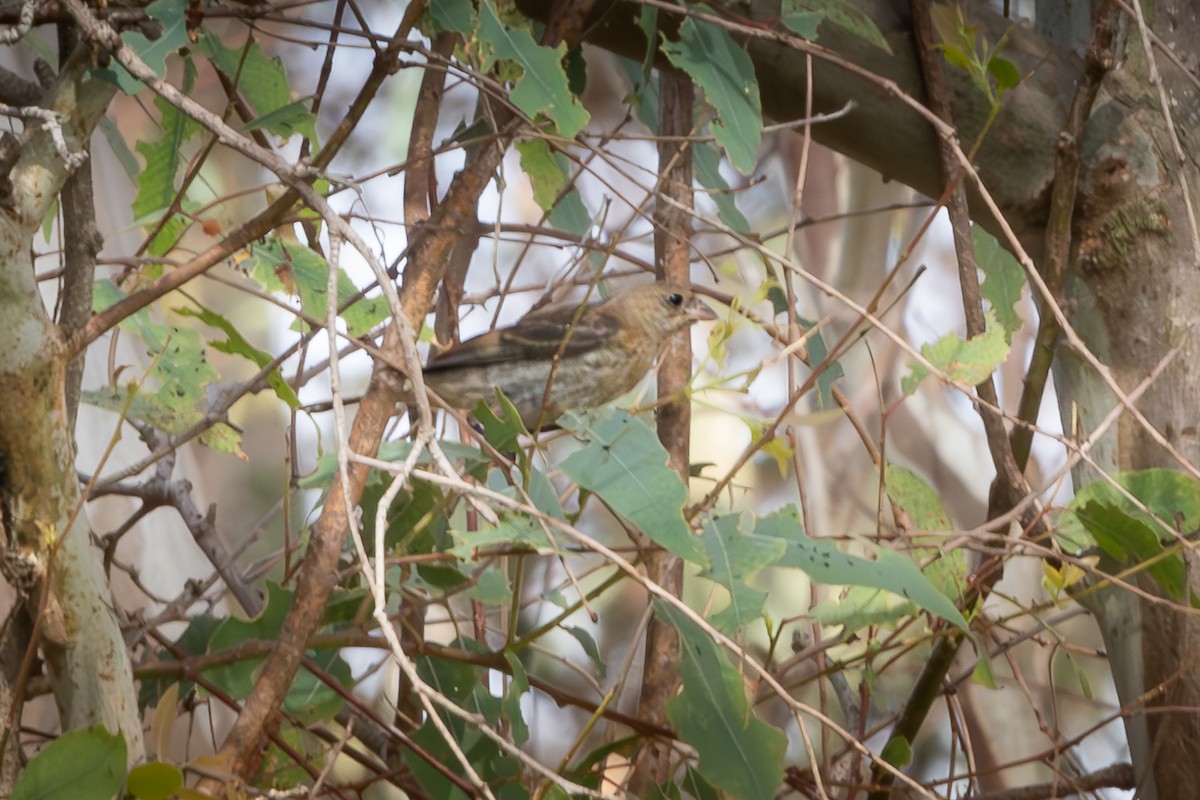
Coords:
pixel 47 549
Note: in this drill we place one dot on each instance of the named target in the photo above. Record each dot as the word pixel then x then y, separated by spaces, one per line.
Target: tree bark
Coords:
pixel 47 548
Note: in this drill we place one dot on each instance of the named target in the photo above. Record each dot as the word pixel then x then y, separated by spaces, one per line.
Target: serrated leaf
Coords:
pixel 736 557
pixel 174 36
pixel 544 174
pixel 626 466
pixel 542 89
pixel 263 82
pixel 967 362
pixel 842 13
pixel 165 157
pixel 83 764
pixel 237 345
pixel 724 71
pixel 915 496
pixel 738 752
pixel 514 530
pixel 174 399
pixel 261 79
pixel 279 265
pixel 824 563
pixel 1004 279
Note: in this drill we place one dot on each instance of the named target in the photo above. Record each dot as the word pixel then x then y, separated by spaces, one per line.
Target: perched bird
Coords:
pixel 586 355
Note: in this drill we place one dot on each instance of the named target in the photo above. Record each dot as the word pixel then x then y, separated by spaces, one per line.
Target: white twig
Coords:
pixel 24 23
pixel 52 124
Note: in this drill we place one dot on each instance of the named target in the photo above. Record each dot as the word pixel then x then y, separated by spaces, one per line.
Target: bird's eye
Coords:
pixel 675 299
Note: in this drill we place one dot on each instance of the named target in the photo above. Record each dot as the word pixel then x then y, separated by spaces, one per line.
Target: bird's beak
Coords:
pixel 697 311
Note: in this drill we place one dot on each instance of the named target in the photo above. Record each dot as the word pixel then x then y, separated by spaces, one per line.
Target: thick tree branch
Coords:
pixel 884 131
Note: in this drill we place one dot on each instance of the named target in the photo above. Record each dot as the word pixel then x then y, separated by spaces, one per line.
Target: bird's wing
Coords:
pixel 538 335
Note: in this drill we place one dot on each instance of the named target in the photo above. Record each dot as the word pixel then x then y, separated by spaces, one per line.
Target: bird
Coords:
pixel 564 355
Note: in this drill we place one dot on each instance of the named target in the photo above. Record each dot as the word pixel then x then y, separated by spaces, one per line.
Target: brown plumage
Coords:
pixel 602 350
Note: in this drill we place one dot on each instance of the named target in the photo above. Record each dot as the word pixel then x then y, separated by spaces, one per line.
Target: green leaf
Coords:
pixel 706 161
pixel 237 345
pixel 1004 72
pixel 543 86
pixel 957 57
pixel 588 643
pixel 308 697
pixel 860 606
pixel 626 466
pixel 736 557
pixel 915 496
pixel 982 674
pixel 83 764
pixel 154 781
pixel 396 450
pixel 174 36
pixel 119 147
pixel 286 121
pixel 491 587
pixel 518 686
pixel 279 265
pixel 1004 280
pixel 738 752
pixel 173 398
pixel 898 752
pixel 453 15
pixel 842 13
pixel 156 183
pixel 544 174
pixel 570 214
pixel 193 641
pixel 1130 541
pixel 724 71
pixel 801 22
pixel 818 352
pixel 263 82
pixel 1172 496
pixel 514 530
pixel 824 563
pixel 967 362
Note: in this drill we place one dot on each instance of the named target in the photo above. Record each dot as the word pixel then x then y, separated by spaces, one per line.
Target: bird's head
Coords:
pixel 660 309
